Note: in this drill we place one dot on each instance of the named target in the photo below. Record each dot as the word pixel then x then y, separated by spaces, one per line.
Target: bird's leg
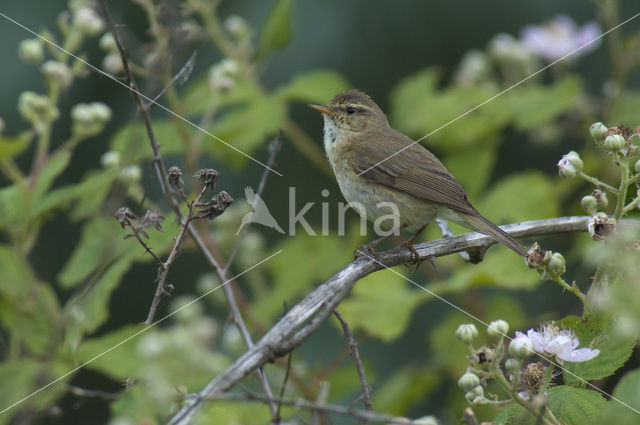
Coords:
pixel 371 246
pixel 409 245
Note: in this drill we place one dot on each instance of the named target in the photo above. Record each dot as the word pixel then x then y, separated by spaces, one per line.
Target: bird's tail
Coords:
pixel 483 225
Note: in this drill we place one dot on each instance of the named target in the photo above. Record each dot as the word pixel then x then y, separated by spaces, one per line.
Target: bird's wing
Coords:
pixel 414 170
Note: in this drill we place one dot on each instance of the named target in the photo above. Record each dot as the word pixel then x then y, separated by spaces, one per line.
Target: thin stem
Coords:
pixel 599 184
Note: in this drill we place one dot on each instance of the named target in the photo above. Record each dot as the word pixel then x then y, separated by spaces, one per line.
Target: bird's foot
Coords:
pixel 414 254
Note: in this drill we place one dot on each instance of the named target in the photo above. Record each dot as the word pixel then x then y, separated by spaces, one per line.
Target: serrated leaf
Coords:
pixel 317 86
pixel 627 391
pixel 13 146
pixel 595 332
pixel 276 32
pixel 576 406
pixel 381 304
pixel 28 308
pixel 11 207
pixel 114 354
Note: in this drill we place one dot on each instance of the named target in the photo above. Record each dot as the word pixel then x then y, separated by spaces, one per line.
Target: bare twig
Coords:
pixel 305 317
pixel 284 386
pixel 164 266
pixel 309 405
pixel 158 163
pixel 353 348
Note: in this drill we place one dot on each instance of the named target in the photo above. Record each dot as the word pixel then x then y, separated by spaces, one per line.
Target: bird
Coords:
pixel 375 164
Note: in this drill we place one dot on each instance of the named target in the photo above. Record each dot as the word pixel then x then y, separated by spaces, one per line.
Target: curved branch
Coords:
pixel 306 316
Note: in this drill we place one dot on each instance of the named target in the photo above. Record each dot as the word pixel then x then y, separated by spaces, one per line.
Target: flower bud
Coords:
pixel 108 42
pixel 601 226
pixel 221 75
pixel 498 328
pixel 37 109
pixel 521 347
pixel 478 390
pixel 637 166
pixel 57 73
pixel 89 119
pixel 88 21
pixel 472 397
pixel 601 197
pixel 130 174
pixel 112 63
pixel 512 364
pixel 110 159
pixel 557 263
pixel 237 27
pixel 590 204
pixel 614 142
pixel 31 51
pixel 468 381
pixel 570 164
pixel 598 131
pixel 466 333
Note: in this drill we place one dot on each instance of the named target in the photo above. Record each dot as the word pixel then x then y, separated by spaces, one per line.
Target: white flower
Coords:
pixel 560 37
pixel 521 346
pixel 561 343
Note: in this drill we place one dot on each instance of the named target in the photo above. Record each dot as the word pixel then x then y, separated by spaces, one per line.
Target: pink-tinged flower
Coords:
pixel 560 37
pixel 561 343
pixel 570 164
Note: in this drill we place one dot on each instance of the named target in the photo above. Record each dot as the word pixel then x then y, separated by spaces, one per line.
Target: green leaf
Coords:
pixel 102 242
pixel 52 169
pixel 199 98
pixel 576 406
pixel 306 260
pixel 246 128
pixel 535 105
pixel 625 110
pixel 317 86
pixel 11 207
pixel 132 143
pixel 420 109
pixel 88 196
pixel 381 304
pixel 524 196
pixel 276 32
pixel 90 308
pixel 20 378
pixel 13 146
pixel 500 267
pixel 114 354
pixel 513 414
pixel 628 392
pixel 595 332
pixel 472 167
pixel 403 390
pixel 28 308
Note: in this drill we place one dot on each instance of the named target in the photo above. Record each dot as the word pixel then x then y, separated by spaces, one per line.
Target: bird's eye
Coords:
pixel 351 110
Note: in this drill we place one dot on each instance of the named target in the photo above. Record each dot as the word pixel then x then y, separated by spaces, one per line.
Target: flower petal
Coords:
pixel 580 355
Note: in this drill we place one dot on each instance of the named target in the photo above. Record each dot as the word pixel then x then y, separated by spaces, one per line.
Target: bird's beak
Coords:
pixel 323 109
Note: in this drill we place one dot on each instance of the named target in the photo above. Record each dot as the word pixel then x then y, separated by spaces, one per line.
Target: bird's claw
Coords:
pixel 367 251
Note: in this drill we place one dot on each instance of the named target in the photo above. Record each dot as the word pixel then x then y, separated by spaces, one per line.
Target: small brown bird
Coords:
pixel 376 164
